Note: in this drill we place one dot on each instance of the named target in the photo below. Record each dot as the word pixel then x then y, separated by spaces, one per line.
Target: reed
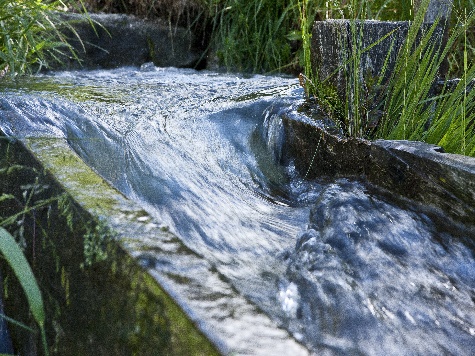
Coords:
pixel 414 74
pixel 18 263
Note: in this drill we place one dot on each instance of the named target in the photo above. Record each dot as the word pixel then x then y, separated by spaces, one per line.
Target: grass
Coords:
pixel 412 109
pixel 261 35
pixel 268 35
pixel 257 36
pixel 31 36
pixel 407 103
pixel 16 260
pixel 13 215
pixel 249 36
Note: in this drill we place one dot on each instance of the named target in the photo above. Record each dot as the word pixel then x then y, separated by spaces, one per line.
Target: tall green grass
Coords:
pixel 408 105
pixel 252 35
pixel 414 74
pixel 413 110
pixel 18 263
pixel 14 212
pixel 31 36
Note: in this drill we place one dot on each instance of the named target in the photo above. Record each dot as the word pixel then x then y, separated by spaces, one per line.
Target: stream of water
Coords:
pixel 345 269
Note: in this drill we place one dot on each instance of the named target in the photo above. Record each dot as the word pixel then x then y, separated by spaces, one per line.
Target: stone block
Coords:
pixel 118 40
pixel 437 9
pixel 335 42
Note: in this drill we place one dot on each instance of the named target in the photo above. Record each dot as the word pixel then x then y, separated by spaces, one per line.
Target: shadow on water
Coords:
pixel 344 266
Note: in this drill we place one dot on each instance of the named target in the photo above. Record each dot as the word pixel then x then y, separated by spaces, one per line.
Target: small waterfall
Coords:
pixel 273 132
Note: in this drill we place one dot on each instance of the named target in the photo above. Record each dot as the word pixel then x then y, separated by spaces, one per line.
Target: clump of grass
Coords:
pixel 30 35
pixel 251 36
pixel 414 74
pixel 414 111
pixel 464 43
pixel 353 114
pixel 409 106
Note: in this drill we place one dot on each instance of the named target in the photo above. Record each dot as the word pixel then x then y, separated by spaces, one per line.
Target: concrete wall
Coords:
pixel 375 44
pixel 149 295
pixel 421 172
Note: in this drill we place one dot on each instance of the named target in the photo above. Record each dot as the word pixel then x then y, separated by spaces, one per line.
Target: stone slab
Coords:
pixel 336 42
pixel 417 171
pixel 115 40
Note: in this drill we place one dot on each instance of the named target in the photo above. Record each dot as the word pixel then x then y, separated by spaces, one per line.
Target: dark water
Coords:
pixel 344 268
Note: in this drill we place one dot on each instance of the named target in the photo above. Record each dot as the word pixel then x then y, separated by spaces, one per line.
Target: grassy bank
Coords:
pixel 251 36
pixel 265 35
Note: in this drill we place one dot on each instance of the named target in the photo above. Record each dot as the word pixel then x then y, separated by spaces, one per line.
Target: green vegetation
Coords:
pixel 407 105
pixel 251 36
pixel 31 36
pixel 18 263
pixel 412 112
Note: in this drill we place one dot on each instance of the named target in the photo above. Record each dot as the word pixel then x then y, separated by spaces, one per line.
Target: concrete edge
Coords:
pixel 241 330
pixel 414 170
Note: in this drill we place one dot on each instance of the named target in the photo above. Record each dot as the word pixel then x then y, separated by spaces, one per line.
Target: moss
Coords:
pixel 98 300
pixel 69 91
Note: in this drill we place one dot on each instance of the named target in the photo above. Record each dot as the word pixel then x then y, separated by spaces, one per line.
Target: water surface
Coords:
pixel 346 269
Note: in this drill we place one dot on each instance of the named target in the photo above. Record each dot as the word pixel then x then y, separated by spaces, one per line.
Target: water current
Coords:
pixel 345 269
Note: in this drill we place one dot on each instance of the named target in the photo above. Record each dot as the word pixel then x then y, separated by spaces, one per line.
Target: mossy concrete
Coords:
pixel 417 171
pixel 168 295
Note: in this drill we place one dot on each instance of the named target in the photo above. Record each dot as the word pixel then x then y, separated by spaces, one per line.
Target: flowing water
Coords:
pixel 345 269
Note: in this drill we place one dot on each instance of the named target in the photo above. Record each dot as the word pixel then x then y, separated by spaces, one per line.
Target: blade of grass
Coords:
pixel 17 261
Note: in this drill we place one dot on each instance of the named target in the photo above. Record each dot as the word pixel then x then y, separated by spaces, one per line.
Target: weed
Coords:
pixel 18 263
pixel 415 111
pixel 31 36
